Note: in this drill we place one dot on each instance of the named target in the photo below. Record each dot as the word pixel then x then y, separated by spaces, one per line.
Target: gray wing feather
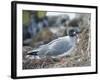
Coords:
pixel 55 47
pixel 59 47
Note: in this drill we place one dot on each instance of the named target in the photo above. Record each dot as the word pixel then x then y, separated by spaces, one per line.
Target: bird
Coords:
pixel 57 48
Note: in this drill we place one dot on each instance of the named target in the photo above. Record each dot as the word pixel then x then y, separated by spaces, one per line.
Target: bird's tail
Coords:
pixel 33 52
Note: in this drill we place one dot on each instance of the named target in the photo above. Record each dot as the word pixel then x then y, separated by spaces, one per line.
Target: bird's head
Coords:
pixel 74 32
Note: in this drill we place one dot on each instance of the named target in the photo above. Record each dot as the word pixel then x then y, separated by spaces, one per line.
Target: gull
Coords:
pixel 57 48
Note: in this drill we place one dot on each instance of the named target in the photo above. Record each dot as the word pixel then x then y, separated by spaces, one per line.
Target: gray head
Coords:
pixel 74 32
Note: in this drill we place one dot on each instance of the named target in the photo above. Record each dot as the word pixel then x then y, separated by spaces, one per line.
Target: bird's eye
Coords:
pixel 74 33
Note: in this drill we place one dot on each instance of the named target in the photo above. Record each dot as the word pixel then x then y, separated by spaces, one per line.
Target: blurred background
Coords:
pixel 41 27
